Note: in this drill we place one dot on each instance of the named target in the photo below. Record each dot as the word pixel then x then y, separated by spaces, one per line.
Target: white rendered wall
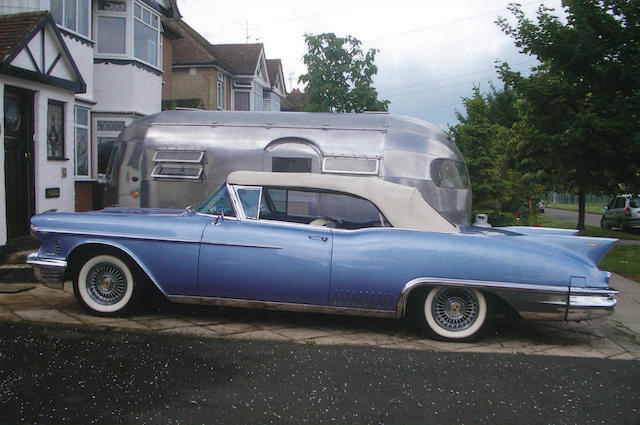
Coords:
pixel 83 57
pixel 126 88
pixel 47 173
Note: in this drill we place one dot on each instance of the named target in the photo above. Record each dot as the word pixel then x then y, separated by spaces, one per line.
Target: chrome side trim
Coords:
pixel 114 235
pixel 270 305
pixel 241 245
pixel 49 271
pixel 554 291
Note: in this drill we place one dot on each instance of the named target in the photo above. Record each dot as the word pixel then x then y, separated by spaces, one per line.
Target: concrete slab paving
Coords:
pixel 614 337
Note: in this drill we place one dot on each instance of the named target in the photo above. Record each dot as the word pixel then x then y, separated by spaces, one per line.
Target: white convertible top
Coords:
pixel 403 206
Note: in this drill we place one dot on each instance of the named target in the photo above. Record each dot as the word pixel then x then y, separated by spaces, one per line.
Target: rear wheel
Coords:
pixel 603 223
pixel 453 314
pixel 105 285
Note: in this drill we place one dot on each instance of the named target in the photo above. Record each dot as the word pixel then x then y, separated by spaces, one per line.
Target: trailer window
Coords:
pixel 178 164
pixel 291 165
pixel 449 174
pixel 350 165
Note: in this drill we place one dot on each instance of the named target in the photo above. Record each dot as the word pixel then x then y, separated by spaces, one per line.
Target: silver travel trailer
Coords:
pixel 176 158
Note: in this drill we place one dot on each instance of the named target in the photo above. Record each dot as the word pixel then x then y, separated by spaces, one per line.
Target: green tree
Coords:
pixel 484 135
pixel 339 75
pixel 578 111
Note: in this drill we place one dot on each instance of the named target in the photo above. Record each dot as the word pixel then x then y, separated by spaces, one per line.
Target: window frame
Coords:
pixel 77 126
pixel 257 95
pixel 221 92
pixel 112 14
pixel 264 198
pixel 57 103
pixel 152 13
pixel 106 134
pixel 77 17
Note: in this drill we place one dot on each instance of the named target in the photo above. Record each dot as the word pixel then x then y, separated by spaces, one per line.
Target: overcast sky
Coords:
pixel 431 53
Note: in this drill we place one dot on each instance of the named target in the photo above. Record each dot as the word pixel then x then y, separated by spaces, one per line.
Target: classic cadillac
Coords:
pixel 324 243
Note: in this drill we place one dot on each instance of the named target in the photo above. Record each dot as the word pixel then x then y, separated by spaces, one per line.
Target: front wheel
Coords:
pixel 105 286
pixel 603 223
pixel 453 314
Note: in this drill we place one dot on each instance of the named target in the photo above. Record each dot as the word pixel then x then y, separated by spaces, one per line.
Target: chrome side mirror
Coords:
pixel 220 213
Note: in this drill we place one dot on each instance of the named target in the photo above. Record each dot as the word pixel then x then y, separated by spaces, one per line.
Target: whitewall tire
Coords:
pixel 453 313
pixel 105 285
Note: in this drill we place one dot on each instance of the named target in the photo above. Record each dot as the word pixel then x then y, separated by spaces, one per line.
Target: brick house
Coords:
pixel 234 77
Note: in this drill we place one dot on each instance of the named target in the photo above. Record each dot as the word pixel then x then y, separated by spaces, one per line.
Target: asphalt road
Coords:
pixel 572 216
pixel 54 375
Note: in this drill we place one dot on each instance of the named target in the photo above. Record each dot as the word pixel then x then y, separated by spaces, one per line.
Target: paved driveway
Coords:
pixel 615 337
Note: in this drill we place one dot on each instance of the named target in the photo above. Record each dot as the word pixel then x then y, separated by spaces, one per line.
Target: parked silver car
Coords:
pixel 622 212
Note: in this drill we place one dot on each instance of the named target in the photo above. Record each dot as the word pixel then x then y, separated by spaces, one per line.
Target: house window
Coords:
pixel 72 15
pixel 221 91
pixel 107 133
pixel 82 156
pixel 55 130
pixel 257 96
pixel 241 100
pixel 266 102
pixel 146 34
pixel 275 106
pixel 111 34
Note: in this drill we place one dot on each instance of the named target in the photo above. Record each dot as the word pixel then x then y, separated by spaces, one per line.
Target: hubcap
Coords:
pixel 106 283
pixel 455 309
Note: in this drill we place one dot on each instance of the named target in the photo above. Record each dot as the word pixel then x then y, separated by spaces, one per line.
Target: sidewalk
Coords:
pixel 615 337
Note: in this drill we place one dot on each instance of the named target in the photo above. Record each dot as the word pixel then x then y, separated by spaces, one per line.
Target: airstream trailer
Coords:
pixel 176 158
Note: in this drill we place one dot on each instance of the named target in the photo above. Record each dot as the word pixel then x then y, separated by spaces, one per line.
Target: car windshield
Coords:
pixel 218 203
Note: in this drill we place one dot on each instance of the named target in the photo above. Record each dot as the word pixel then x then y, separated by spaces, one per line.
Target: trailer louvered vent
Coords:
pixel 178 164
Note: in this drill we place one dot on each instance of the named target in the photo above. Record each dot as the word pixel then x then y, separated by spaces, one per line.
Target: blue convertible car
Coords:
pixel 324 243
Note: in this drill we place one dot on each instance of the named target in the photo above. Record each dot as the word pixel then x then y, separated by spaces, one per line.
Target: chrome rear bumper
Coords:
pixel 49 271
pixel 590 303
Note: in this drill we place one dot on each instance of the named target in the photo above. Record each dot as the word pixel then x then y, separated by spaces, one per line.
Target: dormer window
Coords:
pixel 72 15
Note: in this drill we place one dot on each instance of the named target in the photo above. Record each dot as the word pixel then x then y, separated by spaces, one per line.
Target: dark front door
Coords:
pixel 18 161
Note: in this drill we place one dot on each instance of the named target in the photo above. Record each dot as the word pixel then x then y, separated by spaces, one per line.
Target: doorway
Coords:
pixel 18 162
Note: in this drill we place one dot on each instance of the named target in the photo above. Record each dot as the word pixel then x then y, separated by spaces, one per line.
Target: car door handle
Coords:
pixel 319 238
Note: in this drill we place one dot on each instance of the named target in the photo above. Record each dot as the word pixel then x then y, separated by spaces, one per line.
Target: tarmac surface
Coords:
pixel 87 375
pixel 590 219
pixel 614 337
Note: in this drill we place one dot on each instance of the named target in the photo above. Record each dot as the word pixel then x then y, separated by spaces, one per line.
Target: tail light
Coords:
pixel 627 212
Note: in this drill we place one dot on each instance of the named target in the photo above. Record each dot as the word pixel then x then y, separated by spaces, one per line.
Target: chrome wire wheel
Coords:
pixel 455 313
pixel 454 309
pixel 104 285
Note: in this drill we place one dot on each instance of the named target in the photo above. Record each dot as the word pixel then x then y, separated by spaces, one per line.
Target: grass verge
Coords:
pixel 623 260
pixel 590 208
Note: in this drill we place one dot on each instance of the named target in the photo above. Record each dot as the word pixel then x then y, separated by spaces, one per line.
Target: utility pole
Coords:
pixel 291 80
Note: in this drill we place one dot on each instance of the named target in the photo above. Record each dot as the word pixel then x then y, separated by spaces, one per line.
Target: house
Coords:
pixel 234 77
pixel 73 74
